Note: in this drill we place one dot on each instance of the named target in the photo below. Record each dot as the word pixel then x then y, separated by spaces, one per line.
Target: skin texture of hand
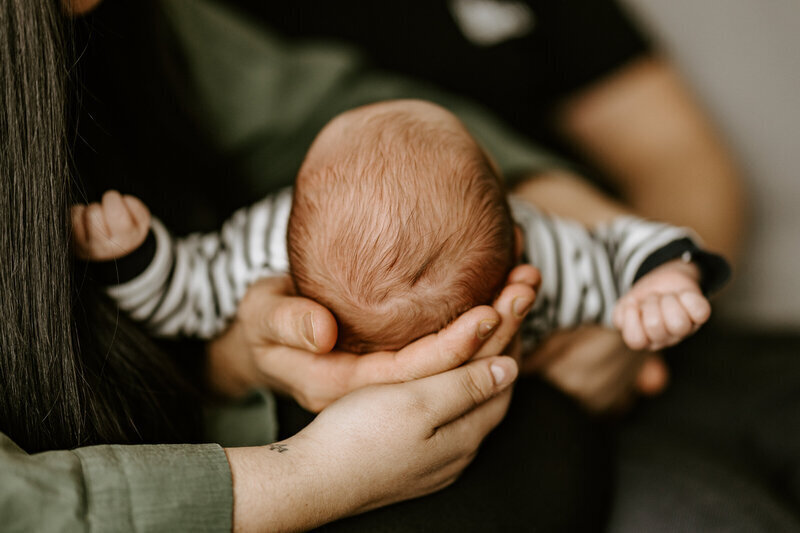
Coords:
pixel 593 366
pixel 662 308
pixel 679 172
pixel 109 229
pixel 379 445
pixel 284 342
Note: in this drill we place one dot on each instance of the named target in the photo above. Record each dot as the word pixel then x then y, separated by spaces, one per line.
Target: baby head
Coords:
pixel 399 224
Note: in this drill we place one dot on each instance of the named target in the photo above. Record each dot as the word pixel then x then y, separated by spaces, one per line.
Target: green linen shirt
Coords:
pixel 262 101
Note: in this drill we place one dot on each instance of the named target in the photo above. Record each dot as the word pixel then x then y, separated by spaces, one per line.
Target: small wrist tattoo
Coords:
pixel 280 448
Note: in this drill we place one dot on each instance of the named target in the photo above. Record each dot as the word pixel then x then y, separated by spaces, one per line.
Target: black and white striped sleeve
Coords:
pixel 193 285
pixel 584 272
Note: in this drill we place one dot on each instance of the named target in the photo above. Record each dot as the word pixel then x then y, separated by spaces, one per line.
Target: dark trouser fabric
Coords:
pixel 545 468
pixel 720 450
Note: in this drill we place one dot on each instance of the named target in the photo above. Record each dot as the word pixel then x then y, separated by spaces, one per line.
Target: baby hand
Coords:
pixel 663 307
pixel 110 229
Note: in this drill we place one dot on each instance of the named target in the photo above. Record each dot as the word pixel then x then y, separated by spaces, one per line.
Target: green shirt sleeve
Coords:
pixel 116 488
pixel 263 100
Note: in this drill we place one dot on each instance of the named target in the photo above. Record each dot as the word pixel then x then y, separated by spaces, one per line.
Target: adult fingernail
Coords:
pixel 520 306
pixel 499 373
pixel 485 328
pixel 308 329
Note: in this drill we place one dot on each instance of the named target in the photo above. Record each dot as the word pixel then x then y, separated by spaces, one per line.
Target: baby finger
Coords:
pixel 653 321
pixel 633 332
pixel 119 220
pixel 696 305
pixel 96 227
pixel 676 319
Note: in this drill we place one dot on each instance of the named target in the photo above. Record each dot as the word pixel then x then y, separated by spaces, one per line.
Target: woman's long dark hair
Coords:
pixel 73 371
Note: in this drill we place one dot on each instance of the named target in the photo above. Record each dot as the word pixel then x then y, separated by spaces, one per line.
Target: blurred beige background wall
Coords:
pixel 742 58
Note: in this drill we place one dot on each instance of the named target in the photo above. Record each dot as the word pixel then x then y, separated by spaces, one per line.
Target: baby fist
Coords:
pixel 665 306
pixel 110 229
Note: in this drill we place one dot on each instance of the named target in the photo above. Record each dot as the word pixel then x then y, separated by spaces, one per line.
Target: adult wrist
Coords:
pixel 281 487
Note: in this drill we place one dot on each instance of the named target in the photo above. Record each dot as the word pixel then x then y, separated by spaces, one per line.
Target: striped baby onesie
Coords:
pixel 192 285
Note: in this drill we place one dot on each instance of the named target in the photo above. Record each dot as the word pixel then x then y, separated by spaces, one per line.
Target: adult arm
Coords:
pixel 591 364
pixel 641 126
pixel 644 129
pixel 264 99
pixel 401 441
pixel 374 447
pixel 268 344
pixel 115 488
pixel 584 274
pixel 586 270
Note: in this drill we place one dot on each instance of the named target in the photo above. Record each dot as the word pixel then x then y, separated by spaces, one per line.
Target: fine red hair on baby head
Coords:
pixel 399 224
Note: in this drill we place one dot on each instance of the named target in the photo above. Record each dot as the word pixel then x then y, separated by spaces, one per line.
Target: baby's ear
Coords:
pixel 518 243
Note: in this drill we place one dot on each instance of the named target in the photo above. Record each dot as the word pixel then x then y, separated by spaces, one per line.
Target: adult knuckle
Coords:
pixel 475 385
pixel 446 354
pixel 315 405
pixel 577 385
pixel 336 383
pixel 470 455
pixel 418 407
pixel 269 322
pixel 462 462
pixel 445 482
pixel 309 397
pixel 250 303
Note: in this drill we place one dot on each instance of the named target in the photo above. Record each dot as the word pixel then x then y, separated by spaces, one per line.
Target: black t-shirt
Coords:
pixel 137 131
pixel 564 45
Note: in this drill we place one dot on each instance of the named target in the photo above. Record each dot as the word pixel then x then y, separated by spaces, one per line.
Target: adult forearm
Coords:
pixel 564 194
pixel 376 446
pixel 275 491
pixel 700 194
pixel 644 129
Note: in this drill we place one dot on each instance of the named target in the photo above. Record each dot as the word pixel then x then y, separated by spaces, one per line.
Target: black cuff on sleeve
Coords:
pixel 125 268
pixel 714 269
